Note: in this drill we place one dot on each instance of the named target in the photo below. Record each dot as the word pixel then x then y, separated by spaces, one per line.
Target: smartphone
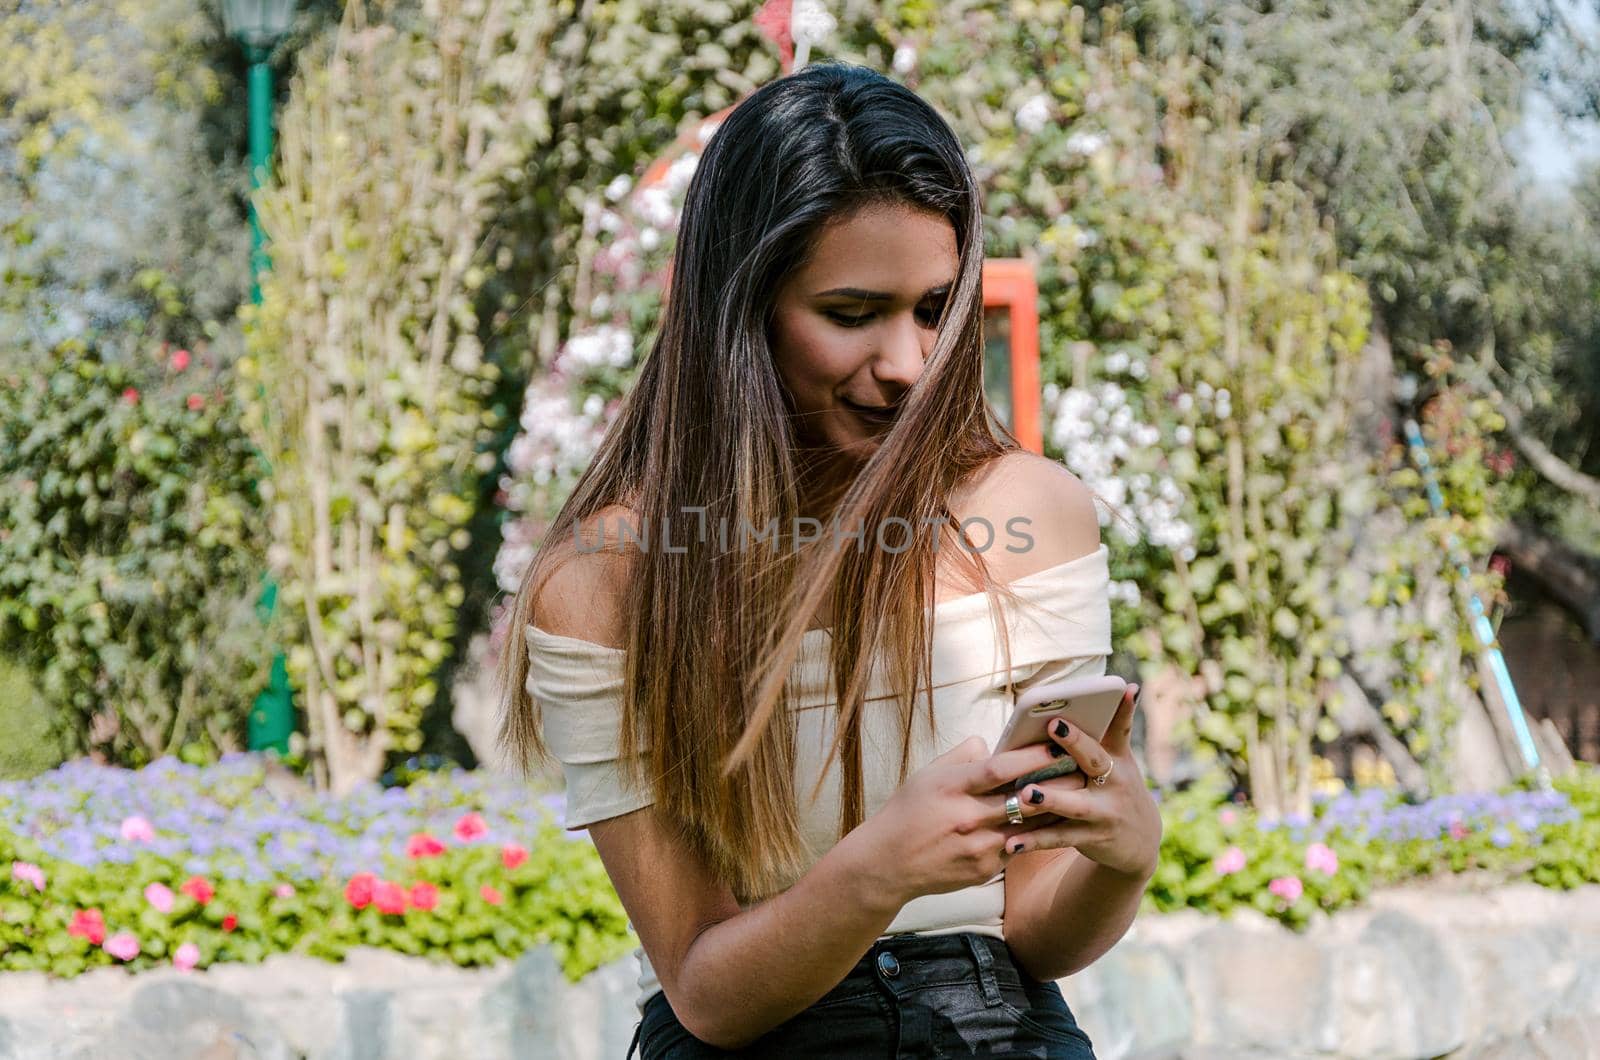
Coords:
pixel 1087 702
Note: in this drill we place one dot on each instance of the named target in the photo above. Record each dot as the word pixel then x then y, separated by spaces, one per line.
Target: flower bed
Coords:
pixel 1216 856
pixel 193 866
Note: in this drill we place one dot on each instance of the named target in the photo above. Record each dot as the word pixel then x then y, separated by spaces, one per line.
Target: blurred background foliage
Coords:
pixel 1264 236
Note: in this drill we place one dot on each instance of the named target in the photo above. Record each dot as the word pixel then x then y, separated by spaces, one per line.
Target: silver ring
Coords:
pixel 1014 808
pixel 1101 779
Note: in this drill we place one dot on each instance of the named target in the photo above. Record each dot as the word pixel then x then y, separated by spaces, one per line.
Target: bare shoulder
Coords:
pixel 1041 513
pixel 585 594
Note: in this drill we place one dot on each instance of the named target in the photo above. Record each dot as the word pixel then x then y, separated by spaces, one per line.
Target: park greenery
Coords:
pixel 1263 241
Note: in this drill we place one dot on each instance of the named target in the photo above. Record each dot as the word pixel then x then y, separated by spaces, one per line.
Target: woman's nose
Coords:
pixel 899 360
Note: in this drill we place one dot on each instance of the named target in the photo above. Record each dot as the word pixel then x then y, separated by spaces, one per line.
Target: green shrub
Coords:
pixel 130 551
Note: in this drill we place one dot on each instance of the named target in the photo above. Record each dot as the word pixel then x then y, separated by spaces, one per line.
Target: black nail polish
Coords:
pixel 1056 750
pixel 1017 848
pixel 1061 728
pixel 1037 797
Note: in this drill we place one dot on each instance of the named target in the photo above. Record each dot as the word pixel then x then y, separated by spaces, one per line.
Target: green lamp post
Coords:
pixel 258 25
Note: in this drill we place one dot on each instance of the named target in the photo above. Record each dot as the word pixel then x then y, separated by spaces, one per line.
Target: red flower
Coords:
pixel 389 897
pixel 490 895
pixel 88 924
pixel 470 827
pixel 130 395
pixel 230 922
pixel 424 896
pixel 358 892
pixel 199 888
pixel 180 360
pixel 423 845
pixel 512 854
pixel 196 402
pixel 1458 830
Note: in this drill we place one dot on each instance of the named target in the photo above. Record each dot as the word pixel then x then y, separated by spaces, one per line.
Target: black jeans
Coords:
pixel 956 995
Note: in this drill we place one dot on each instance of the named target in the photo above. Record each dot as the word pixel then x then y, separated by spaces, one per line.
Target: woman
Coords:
pixel 816 860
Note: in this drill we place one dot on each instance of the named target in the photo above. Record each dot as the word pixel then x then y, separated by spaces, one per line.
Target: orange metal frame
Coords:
pixel 1010 282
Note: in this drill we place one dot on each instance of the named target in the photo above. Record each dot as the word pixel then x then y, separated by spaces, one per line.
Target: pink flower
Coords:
pixel 513 854
pixel 137 830
pixel 389 897
pixel 358 892
pixel 130 396
pixel 490 895
pixel 88 924
pixel 180 360
pixel 1458 830
pixel 185 957
pixel 423 845
pixel 122 946
pixel 470 827
pixel 284 890
pixel 199 888
pixel 28 873
pixel 196 402
pixel 1229 861
pixel 160 896
pixel 1227 816
pixel 1289 888
pixel 1322 858
pixel 424 896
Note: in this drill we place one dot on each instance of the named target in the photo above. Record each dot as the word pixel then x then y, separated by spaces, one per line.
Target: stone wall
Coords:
pixel 1448 968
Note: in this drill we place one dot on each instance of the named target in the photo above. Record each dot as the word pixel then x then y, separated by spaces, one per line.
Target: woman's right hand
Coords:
pixel 945 827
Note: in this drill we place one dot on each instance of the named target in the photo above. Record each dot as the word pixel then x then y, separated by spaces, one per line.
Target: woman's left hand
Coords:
pixel 1115 822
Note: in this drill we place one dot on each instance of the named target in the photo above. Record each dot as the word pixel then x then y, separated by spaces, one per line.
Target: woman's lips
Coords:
pixel 880 416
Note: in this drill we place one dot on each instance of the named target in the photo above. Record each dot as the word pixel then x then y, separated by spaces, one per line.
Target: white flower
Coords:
pixel 905 59
pixel 1033 114
pixel 810 23
pixel 680 172
pixel 650 239
pixel 1086 237
pixel 1085 143
pixel 1185 402
pixel 601 303
pixel 604 345
pixel 655 206
pixel 592 405
pixel 1117 362
pixel 619 186
pixel 1183 435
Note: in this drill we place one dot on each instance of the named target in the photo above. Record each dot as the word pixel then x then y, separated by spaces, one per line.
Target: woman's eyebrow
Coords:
pixel 877 296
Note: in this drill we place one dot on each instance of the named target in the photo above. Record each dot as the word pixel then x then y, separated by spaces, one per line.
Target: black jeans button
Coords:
pixel 888 965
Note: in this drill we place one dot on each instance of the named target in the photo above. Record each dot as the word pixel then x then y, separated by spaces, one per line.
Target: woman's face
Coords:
pixel 852 326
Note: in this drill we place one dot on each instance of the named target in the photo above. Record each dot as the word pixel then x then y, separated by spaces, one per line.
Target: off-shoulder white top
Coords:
pixel 1064 630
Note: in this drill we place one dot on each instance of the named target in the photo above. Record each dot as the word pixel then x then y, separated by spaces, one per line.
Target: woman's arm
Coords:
pixel 733 975
pixel 1063 911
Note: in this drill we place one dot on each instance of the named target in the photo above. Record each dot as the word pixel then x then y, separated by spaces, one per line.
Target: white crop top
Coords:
pixel 1064 630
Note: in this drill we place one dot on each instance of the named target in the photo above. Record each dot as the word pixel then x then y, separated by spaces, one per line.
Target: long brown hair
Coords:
pixel 712 632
